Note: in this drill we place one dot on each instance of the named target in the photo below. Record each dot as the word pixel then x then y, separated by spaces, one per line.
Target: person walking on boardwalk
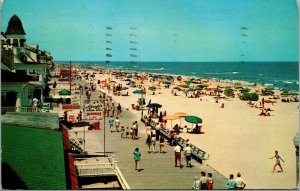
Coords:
pixel 210 181
pixel 240 184
pixel 188 155
pixel 231 185
pixel 136 129
pixel 111 123
pixel 153 142
pixel 127 132
pixel 196 185
pixel 137 159
pixel 122 132
pixel 117 124
pixel 107 109
pixel 148 142
pixel 157 131
pixel 203 181
pixel 119 110
pixel 162 144
pixel 277 158
pixel 112 108
pixel 177 150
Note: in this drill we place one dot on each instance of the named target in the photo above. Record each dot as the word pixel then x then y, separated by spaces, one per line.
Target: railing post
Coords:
pixel 113 160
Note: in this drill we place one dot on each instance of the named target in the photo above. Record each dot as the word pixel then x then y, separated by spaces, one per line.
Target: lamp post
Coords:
pixel 104 132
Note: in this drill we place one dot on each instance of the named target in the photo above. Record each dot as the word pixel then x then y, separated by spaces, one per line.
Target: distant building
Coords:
pixel 24 68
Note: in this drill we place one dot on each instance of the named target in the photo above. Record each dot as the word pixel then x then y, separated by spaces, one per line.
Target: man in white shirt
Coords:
pixel 35 102
pixel 188 155
pixel 177 150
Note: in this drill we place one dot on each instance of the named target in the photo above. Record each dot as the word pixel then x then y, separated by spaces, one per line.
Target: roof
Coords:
pixel 7 57
pixel 43 120
pixel 33 158
pixel 15 26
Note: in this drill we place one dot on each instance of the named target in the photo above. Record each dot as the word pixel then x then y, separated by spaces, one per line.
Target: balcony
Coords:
pixel 21 109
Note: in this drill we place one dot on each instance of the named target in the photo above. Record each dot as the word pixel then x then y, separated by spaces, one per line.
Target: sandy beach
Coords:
pixel 236 138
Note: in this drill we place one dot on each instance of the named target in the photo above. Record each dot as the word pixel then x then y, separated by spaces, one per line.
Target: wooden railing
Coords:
pixel 20 109
pixel 100 166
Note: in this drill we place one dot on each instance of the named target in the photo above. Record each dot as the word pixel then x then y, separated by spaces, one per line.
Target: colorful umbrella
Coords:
pixel 138 91
pixel 193 119
pixel 170 118
pixel 180 115
pixel 154 105
pixel 152 88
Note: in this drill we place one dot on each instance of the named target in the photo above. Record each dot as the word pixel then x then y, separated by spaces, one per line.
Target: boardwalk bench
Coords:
pixel 153 124
pixel 144 119
pixel 197 153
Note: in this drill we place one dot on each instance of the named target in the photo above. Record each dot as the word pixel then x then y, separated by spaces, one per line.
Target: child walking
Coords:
pixel 277 158
pixel 122 132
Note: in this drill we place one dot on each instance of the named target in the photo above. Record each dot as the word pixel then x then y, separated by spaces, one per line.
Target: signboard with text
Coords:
pixel 93 116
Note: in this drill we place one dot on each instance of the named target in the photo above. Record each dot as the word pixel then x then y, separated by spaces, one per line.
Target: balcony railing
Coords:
pixel 21 109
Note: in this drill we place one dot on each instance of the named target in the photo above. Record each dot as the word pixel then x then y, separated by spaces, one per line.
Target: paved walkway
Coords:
pixel 158 169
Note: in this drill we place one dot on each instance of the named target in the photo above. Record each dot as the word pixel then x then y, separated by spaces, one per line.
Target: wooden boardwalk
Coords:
pixel 158 169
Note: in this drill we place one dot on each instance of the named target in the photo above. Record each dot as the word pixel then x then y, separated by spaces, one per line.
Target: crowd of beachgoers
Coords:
pixel 231 125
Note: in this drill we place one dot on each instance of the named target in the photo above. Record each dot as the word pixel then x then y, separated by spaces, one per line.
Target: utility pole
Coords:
pixel 70 78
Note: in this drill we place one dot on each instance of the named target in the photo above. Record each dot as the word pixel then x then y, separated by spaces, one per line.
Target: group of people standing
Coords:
pixel 236 184
pixel 153 136
pixel 204 183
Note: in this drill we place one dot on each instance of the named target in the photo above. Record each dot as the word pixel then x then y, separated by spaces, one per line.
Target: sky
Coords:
pixel 160 30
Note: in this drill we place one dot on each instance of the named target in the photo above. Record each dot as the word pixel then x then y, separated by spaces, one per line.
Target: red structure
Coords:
pixel 71 176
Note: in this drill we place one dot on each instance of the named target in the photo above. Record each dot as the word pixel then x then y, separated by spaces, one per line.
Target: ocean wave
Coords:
pixel 135 66
pixel 154 68
pixel 221 73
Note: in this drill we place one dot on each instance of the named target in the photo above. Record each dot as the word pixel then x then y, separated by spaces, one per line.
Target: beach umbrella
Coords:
pixel 179 78
pixel 152 88
pixel 154 105
pixel 169 77
pixel 166 82
pixel 132 82
pixel 246 96
pixel 253 96
pixel 180 115
pixel 124 88
pixel 170 118
pixel 188 82
pixel 193 119
pixel 64 92
pixel 229 92
pixel 177 88
pixel 218 90
pixel 244 90
pixel 138 91
pixel 128 80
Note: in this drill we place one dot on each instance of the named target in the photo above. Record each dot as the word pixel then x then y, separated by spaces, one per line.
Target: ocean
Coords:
pixel 280 74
